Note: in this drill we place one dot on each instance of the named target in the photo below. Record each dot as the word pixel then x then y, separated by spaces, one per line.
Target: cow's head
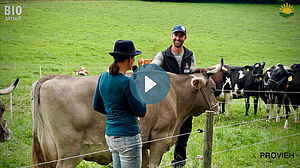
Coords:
pixel 295 67
pixel 227 83
pixel 222 80
pixel 257 73
pixel 202 82
pixel 5 132
pixel 279 78
pixel 267 76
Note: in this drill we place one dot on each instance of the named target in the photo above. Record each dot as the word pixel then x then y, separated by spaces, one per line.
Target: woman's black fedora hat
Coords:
pixel 124 47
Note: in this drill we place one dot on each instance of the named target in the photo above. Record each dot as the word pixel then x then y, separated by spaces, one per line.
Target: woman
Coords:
pixel 114 98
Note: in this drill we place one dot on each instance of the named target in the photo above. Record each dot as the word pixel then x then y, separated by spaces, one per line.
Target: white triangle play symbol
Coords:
pixel 149 84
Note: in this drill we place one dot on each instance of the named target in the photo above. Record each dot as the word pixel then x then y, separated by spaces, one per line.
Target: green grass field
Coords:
pixel 61 36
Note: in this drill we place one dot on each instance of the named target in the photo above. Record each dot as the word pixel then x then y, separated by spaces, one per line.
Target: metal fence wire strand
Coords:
pixel 258 91
pixel 252 121
pixel 167 165
pixel 244 91
pixel 214 153
pixel 258 143
pixel 82 155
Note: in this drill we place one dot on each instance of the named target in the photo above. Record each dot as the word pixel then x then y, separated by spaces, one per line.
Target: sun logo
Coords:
pixel 286 10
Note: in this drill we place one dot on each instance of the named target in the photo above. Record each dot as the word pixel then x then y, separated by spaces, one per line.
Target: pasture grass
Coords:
pixel 62 36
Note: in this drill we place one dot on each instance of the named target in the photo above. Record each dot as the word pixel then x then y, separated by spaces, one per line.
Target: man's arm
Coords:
pixel 193 62
pixel 158 59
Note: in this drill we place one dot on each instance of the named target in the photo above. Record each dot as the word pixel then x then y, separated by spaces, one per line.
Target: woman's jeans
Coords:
pixel 126 150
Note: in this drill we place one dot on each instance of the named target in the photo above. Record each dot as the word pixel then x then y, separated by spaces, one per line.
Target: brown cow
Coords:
pixel 81 71
pixel 143 61
pixel 5 132
pixel 66 125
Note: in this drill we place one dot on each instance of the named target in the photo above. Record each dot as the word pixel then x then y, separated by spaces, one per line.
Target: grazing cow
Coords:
pixel 223 94
pixel 65 125
pixel 5 132
pixel 245 82
pixel 143 61
pixel 286 81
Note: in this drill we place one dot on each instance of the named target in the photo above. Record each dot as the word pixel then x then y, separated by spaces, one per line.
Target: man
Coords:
pixel 178 59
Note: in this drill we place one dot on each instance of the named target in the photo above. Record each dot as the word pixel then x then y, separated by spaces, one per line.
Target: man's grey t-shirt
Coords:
pixel 158 59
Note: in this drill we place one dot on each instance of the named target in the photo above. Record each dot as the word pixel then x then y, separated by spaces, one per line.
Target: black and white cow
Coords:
pixel 265 96
pixel 223 93
pixel 286 83
pixel 246 81
pixel 270 97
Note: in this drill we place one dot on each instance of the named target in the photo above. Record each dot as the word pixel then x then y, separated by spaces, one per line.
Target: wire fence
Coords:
pixel 228 150
pixel 169 137
pixel 259 91
pixel 37 70
pixel 27 89
pixel 33 70
pixel 106 150
pixel 13 99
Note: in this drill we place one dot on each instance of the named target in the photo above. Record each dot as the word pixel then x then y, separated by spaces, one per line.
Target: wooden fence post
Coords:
pixel 11 103
pixel 40 71
pixel 208 137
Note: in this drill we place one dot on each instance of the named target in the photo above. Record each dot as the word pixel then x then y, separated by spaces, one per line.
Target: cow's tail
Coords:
pixel 37 153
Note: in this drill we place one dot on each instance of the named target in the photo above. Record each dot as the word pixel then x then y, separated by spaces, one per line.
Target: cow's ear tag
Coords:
pixel 260 78
pixel 248 69
pixel 290 78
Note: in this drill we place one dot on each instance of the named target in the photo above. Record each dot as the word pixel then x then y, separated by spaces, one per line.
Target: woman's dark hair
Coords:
pixel 114 68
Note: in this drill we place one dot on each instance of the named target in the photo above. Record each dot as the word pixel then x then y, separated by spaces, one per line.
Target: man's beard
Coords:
pixel 177 45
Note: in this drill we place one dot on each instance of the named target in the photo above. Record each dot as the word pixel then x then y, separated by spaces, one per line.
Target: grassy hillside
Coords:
pixel 62 36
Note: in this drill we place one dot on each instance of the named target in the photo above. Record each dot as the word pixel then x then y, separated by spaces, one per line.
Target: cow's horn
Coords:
pixel 195 70
pixel 9 89
pixel 263 64
pixel 217 69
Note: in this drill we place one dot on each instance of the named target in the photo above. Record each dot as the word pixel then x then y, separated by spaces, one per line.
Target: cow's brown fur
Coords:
pixel 143 61
pixel 38 155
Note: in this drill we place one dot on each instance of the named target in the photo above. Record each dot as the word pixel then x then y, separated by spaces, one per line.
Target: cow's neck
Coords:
pixel 188 99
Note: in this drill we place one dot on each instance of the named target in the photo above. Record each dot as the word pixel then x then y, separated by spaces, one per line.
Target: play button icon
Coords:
pixel 151 83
